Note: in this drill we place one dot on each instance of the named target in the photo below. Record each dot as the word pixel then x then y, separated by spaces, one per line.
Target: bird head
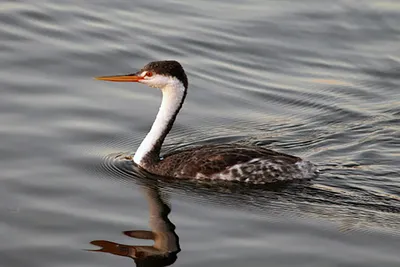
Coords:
pixel 157 74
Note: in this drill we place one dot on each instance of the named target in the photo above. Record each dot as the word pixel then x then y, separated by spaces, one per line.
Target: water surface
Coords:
pixel 317 79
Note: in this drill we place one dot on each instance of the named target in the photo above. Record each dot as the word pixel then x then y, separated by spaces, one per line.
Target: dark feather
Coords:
pixel 214 159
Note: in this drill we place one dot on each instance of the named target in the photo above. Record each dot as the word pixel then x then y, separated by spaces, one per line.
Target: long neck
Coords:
pixel 149 150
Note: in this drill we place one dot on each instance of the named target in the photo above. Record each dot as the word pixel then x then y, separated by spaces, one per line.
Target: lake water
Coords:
pixel 317 79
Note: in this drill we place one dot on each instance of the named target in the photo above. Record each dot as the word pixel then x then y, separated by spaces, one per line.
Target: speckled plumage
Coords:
pixel 232 162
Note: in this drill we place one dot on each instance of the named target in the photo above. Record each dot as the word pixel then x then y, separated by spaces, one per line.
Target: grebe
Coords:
pixel 231 162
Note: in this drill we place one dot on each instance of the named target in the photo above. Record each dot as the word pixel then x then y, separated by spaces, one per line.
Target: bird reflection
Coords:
pixel 166 242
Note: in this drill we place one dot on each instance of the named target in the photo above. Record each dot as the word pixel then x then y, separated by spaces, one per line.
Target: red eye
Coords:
pixel 149 74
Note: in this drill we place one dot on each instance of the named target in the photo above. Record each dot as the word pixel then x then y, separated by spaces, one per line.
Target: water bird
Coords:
pixel 231 162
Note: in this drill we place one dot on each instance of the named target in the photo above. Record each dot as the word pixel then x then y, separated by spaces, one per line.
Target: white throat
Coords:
pixel 173 94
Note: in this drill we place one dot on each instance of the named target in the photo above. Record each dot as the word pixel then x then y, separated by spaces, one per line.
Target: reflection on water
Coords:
pixel 166 242
pixel 349 210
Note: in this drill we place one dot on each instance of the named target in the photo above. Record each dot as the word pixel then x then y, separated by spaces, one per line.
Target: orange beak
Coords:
pixel 120 78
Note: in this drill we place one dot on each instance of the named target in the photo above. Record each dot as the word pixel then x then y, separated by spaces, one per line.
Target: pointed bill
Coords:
pixel 120 78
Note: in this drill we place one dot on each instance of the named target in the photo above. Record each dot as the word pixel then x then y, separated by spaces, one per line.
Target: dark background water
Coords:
pixel 318 79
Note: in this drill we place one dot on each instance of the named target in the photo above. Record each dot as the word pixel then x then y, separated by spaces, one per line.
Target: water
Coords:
pixel 317 79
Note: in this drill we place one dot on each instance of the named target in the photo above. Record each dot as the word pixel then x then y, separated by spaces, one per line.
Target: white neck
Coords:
pixel 173 96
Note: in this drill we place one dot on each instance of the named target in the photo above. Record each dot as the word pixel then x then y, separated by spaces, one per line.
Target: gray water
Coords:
pixel 317 79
